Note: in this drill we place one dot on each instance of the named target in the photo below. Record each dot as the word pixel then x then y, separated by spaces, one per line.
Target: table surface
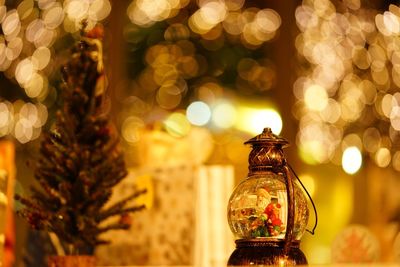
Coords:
pixel 320 265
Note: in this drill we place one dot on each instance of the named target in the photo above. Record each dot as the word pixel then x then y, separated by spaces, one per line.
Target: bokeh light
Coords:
pixel 6 118
pixel 24 71
pixel 29 30
pixel 22 120
pixel 351 160
pixel 198 113
pixel 146 12
pixel 316 98
pixel 131 128
pixel 254 120
pixel 349 86
pixel 382 157
pixel 177 124
pixel 197 55
pixel 224 115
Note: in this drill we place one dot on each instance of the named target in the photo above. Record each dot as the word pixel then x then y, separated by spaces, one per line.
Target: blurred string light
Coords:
pixel 253 25
pixel 224 115
pixel 200 51
pixel 198 113
pixel 349 85
pixel 26 45
pixel 351 160
pixel 177 124
pixel 22 120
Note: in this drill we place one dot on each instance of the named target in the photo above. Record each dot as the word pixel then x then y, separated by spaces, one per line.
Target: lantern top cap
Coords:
pixel 267 138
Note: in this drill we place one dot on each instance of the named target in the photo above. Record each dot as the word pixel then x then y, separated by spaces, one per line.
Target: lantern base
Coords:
pixel 263 251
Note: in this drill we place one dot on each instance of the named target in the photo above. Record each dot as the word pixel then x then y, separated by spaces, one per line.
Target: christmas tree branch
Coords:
pixel 117 208
pixel 116 226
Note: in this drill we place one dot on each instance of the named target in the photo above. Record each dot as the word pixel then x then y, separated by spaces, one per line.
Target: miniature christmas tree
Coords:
pixel 79 162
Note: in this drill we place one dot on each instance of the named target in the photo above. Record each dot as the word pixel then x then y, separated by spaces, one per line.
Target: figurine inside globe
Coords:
pixel 258 208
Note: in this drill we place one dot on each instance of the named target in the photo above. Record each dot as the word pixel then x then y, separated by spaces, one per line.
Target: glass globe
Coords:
pixel 258 208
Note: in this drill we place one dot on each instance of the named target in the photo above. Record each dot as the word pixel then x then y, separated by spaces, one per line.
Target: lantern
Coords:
pixel 268 211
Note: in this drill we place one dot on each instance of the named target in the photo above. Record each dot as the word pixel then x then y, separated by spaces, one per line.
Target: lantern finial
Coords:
pixel 267 153
pixel 267 137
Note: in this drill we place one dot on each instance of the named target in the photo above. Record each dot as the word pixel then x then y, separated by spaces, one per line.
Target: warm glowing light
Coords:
pixel 6 118
pixel 177 125
pixel 332 111
pixel 29 31
pixel 314 151
pixel 255 120
pixel 35 86
pixel 46 4
pixel 45 37
pixel 386 105
pixel 268 20
pixel 282 262
pixel 234 5
pixel 41 57
pixel 233 23
pixel 316 98
pixel 198 25
pixel 391 22
pixel 131 128
pixel 33 28
pixel 147 12
pixel 170 65
pixel 77 9
pixel 383 157
pixel 54 16
pixel 99 9
pixel 4 114
pixel 198 113
pixel 355 77
pixel 23 131
pixel 42 115
pixel 395 118
pixel 224 115
pixel 24 71
pixel 351 160
pixel 14 48
pixel 29 119
pixel 29 112
pixel 137 16
pixel 361 57
pixel 3 11
pixel 371 139
pixel 168 97
pixel 25 8
pixel 351 140
pixel 213 12
pixel 11 24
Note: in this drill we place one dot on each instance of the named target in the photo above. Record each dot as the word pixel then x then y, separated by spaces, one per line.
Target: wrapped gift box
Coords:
pixel 184 224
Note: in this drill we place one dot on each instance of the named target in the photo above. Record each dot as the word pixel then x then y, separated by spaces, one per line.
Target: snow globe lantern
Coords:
pixel 268 211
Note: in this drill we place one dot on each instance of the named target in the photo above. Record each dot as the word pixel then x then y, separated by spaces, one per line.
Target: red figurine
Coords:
pixel 274 223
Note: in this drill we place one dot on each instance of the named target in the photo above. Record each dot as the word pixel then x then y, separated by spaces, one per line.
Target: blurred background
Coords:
pixel 190 80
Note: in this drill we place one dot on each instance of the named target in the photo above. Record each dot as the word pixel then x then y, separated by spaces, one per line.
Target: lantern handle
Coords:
pixel 312 202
